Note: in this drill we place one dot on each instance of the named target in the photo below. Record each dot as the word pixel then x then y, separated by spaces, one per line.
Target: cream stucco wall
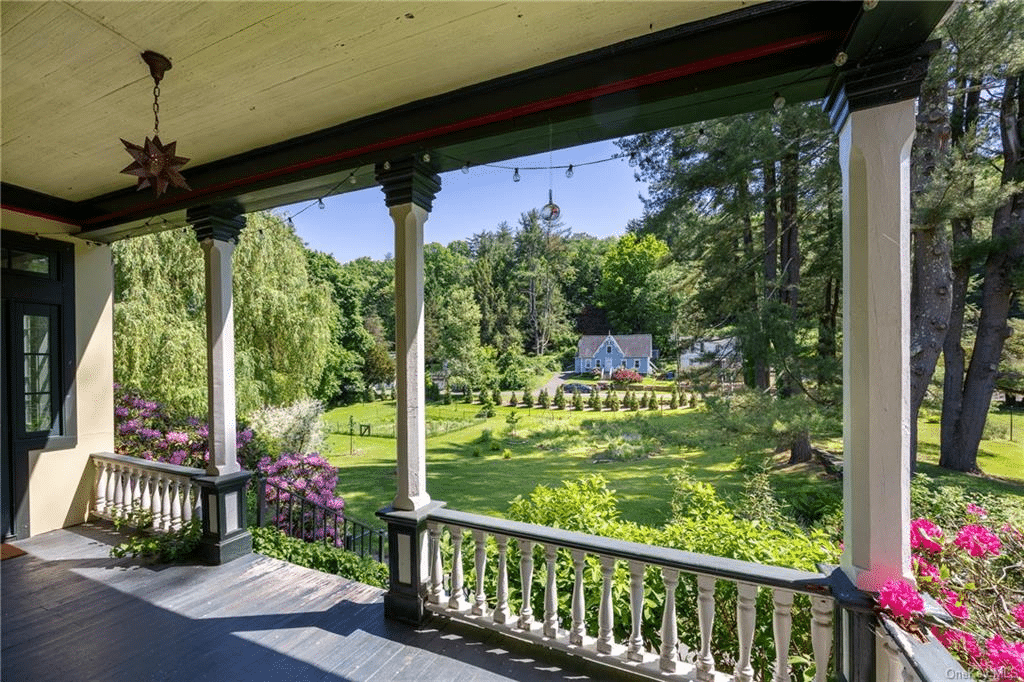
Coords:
pixel 60 481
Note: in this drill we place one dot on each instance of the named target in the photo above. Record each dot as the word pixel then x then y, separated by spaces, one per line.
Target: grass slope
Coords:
pixel 551 446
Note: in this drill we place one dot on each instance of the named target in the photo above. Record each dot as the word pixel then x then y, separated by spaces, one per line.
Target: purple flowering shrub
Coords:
pixel 300 496
pixel 144 428
pixel 976 574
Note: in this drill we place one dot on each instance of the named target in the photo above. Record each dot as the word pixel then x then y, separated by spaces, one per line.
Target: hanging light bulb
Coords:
pixel 778 102
pixel 465 168
pixel 568 171
pixel 515 176
pixel 320 203
pixel 352 179
pixel 702 137
pixel 550 211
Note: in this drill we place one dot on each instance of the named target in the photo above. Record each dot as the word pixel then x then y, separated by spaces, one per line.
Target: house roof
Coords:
pixel 280 102
pixel 631 345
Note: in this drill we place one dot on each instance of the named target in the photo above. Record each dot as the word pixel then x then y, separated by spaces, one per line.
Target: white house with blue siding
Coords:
pixel 609 352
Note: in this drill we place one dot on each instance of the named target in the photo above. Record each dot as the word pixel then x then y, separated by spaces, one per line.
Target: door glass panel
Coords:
pixel 38 386
pixel 37 374
pixel 37 412
pixel 37 334
pixel 24 261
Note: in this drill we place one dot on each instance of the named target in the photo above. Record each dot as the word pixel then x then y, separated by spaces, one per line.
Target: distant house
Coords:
pixel 609 352
pixel 721 352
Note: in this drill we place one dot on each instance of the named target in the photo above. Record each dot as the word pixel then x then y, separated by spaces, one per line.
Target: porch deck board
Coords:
pixel 70 612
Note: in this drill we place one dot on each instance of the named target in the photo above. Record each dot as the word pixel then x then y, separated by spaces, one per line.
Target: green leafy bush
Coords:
pixel 318 556
pixel 161 547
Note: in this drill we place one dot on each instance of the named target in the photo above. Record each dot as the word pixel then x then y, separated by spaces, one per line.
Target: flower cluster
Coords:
pixel 300 496
pixel 143 428
pixel 626 376
pixel 976 578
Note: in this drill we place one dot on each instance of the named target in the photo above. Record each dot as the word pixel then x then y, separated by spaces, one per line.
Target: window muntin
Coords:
pixel 38 366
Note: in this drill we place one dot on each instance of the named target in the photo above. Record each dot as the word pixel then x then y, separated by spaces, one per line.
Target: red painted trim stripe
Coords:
pixel 662 76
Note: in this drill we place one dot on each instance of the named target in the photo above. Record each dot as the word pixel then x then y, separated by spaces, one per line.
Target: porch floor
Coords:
pixel 70 612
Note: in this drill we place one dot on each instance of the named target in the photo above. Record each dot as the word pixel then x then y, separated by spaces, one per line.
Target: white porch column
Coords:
pixel 225 536
pixel 409 187
pixel 217 232
pixel 874 152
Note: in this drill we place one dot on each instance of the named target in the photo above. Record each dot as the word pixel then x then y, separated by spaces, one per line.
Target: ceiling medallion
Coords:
pixel 155 164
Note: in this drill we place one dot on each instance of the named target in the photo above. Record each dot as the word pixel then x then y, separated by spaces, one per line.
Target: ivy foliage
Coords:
pixel 318 556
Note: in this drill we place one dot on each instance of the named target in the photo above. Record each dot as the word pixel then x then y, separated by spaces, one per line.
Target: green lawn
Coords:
pixel 552 446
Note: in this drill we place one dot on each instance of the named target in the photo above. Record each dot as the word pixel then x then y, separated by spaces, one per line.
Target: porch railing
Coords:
pixel 911 660
pixel 164 492
pixel 672 660
pixel 300 517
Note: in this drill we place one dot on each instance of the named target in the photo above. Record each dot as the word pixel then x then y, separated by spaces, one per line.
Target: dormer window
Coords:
pixel 608 349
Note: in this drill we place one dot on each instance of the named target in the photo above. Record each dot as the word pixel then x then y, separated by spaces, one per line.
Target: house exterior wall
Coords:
pixel 611 357
pixel 61 481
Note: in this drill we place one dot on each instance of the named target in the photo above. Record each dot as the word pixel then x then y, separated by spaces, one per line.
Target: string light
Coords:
pixel 568 171
pixel 465 168
pixel 778 102
pixel 515 176
pixel 702 137
pixel 352 179
pixel 320 203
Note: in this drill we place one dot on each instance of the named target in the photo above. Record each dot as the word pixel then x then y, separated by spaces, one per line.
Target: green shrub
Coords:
pixel 162 547
pixel 318 556
pixel 527 399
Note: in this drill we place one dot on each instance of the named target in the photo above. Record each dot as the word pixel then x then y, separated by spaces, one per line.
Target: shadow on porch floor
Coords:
pixel 70 612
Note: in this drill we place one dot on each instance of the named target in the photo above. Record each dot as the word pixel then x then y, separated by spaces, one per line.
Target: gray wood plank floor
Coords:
pixel 70 612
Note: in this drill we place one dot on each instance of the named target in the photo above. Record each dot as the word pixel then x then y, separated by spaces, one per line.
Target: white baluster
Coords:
pixel 782 628
pixel 501 610
pixel 821 635
pixel 456 600
pixel 145 496
pixel 526 576
pixel 197 509
pixel 578 630
pixel 102 475
pixel 118 490
pixel 896 671
pixel 125 484
pixel 175 504
pixel 436 592
pixel 157 504
pixel 112 489
pixel 706 621
pixel 186 501
pixel 605 620
pixel 131 498
pixel 480 566
pixel 745 615
pixel 669 630
pixel 551 593
pixel 635 646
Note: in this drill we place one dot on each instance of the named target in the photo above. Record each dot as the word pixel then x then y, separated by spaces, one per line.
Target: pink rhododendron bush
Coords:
pixel 976 572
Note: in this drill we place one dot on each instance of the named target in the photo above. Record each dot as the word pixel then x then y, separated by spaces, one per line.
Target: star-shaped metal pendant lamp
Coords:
pixel 156 164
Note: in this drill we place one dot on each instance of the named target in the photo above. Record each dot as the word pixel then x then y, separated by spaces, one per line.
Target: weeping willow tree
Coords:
pixel 282 318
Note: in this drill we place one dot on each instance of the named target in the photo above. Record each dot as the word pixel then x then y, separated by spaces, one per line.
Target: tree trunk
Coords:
pixel 800 449
pixel 963 117
pixel 770 257
pixel 931 276
pixel 1005 257
pixel 790 237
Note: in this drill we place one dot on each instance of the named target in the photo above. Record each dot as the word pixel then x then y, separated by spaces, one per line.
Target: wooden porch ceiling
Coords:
pixel 278 102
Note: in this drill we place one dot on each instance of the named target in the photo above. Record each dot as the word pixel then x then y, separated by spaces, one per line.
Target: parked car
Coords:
pixel 669 375
pixel 576 388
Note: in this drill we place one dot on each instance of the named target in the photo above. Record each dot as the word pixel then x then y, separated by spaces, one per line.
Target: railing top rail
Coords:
pixel 150 464
pixel 690 562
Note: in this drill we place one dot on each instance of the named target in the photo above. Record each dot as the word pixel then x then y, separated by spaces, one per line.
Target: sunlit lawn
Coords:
pixel 553 445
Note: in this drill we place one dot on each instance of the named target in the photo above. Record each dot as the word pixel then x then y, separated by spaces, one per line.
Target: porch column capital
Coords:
pixel 410 180
pixel 882 79
pixel 223 222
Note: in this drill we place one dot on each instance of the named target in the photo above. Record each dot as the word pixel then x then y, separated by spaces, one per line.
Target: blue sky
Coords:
pixel 599 199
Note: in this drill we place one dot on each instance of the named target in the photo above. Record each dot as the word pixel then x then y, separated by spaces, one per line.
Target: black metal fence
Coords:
pixel 300 517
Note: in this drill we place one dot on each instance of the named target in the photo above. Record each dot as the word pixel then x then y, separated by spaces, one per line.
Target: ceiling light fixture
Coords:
pixel 155 164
